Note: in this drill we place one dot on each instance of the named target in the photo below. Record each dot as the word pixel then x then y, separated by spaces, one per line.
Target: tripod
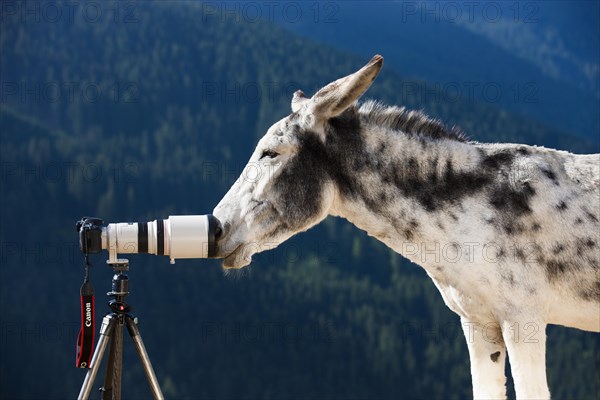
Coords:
pixel 112 331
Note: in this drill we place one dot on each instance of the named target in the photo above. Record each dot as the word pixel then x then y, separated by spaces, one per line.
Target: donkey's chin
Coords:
pixel 239 258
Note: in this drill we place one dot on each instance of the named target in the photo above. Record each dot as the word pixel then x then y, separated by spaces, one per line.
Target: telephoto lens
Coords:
pixel 179 236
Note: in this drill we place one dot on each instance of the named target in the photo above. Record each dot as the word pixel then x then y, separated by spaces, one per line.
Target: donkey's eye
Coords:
pixel 269 153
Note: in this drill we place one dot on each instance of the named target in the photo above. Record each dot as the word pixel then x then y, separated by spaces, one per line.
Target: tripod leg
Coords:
pixel 114 364
pixel 106 329
pixel 134 332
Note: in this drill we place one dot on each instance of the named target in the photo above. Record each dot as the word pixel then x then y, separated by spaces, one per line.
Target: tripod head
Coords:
pixel 120 290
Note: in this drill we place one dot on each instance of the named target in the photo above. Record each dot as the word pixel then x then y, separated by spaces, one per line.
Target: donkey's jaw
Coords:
pixel 239 258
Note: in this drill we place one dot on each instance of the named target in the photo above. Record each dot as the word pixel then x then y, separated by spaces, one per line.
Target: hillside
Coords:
pixel 137 121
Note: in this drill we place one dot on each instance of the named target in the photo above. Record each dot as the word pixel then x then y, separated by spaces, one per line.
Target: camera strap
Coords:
pixel 85 339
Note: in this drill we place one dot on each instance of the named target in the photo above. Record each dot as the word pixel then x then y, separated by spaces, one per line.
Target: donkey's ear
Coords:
pixel 299 100
pixel 336 97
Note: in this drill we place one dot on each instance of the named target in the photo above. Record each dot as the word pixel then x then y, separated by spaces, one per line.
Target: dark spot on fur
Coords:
pixel 584 245
pixel 591 216
pixel 551 175
pixel 554 269
pixel 494 356
pixel 540 259
pixel 498 160
pixel 523 151
pixel 562 206
pixel 536 227
pixel 501 253
pixel 557 249
pixel 509 277
pixel 383 197
pixel 433 175
pixel 578 221
pixel 591 292
pixel 513 227
pixel 412 163
pixel 520 254
pixel 409 231
pixel 513 202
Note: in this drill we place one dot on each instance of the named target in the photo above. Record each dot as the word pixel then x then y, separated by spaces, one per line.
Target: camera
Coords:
pixel 90 234
pixel 179 236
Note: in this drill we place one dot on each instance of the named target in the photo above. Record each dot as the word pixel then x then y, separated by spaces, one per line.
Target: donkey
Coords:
pixel 523 220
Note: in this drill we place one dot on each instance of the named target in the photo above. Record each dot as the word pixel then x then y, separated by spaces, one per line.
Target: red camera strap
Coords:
pixel 85 339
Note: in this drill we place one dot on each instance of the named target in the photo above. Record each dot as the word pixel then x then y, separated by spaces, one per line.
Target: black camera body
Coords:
pixel 90 235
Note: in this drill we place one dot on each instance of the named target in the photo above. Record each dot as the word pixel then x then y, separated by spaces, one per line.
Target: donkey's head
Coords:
pixel 285 189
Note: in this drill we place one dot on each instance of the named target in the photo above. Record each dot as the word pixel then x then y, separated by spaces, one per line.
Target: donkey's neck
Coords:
pixel 403 188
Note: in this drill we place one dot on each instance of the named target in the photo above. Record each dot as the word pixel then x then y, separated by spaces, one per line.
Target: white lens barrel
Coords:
pixel 188 236
pixel 123 237
pixel 179 236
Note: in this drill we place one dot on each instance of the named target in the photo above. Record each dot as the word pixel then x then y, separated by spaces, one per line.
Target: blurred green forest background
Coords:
pixel 136 111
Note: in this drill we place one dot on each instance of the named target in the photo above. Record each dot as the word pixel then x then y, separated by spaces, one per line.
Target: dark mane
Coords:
pixel 408 121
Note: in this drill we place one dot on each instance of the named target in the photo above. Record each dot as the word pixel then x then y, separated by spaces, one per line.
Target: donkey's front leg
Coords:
pixel 526 344
pixel 487 354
